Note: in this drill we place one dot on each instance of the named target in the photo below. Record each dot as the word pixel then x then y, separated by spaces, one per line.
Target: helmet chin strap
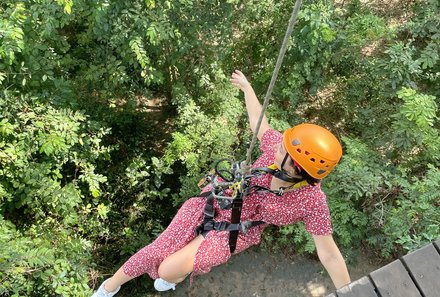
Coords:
pixel 282 174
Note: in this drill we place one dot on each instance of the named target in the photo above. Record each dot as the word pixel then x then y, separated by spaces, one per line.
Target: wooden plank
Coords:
pixel 360 288
pixel 424 267
pixel 393 280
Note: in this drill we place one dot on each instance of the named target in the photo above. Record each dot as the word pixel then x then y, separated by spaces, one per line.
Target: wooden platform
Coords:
pixel 415 275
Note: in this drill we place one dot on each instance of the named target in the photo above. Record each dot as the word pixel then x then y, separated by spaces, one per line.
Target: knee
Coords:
pixel 165 270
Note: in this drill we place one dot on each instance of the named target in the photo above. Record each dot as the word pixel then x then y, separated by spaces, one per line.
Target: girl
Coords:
pixel 303 155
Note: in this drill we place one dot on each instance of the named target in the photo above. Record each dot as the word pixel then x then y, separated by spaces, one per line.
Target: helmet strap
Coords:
pixel 286 156
pixel 282 174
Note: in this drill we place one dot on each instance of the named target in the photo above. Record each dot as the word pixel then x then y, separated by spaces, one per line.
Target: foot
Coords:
pixel 102 292
pixel 163 285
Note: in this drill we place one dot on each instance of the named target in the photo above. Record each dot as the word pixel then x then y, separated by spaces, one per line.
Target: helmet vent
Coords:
pixel 307 153
pixel 312 159
pixel 298 150
pixel 321 171
pixel 322 161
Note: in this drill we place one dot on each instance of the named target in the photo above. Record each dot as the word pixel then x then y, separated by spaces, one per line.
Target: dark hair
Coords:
pixel 305 176
pixel 310 179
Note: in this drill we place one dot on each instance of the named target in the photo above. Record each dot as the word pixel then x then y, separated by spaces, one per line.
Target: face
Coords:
pixel 279 156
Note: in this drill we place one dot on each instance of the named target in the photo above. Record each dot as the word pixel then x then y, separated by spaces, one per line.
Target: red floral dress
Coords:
pixel 307 204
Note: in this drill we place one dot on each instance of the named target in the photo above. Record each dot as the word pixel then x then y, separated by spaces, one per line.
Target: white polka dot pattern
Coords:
pixel 307 204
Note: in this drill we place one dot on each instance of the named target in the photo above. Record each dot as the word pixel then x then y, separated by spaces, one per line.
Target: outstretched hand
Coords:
pixel 239 80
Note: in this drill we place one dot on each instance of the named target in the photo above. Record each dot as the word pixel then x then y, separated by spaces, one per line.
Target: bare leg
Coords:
pixel 173 269
pixel 176 267
pixel 118 279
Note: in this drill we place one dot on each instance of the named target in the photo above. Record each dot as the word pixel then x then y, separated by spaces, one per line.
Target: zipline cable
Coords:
pixel 273 79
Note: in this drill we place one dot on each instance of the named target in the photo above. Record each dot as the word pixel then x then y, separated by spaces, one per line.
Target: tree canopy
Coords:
pixel 111 111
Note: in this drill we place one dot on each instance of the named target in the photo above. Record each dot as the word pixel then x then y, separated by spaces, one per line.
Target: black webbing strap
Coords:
pixel 234 227
pixel 263 169
pixel 226 226
pixel 237 204
pixel 281 174
pixel 208 212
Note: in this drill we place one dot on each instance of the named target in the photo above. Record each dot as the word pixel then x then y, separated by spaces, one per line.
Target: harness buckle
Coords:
pixel 244 226
pixel 221 226
pixel 199 229
pixel 225 204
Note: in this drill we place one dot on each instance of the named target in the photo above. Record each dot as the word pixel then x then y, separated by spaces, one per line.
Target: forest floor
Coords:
pixel 257 273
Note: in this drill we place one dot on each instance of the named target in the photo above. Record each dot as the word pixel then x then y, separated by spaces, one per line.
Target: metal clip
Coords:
pixel 244 226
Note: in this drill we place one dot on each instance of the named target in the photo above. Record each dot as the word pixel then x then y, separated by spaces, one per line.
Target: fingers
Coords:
pixel 238 79
pixel 237 74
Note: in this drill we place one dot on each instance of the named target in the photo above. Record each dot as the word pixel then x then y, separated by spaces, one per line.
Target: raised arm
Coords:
pixel 253 106
pixel 332 260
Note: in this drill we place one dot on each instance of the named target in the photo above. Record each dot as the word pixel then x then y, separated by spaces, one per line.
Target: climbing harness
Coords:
pixel 230 193
pixel 238 179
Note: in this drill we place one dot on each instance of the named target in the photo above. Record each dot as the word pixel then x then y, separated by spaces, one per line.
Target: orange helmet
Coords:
pixel 314 148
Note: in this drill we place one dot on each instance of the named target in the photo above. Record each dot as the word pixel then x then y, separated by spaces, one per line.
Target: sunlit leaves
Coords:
pixel 150 3
pixel 47 158
pixel 11 32
pixel 418 108
pixel 414 131
pixel 67 5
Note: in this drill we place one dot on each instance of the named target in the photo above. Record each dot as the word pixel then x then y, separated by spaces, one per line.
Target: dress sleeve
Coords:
pixel 307 204
pixel 269 139
pixel 317 221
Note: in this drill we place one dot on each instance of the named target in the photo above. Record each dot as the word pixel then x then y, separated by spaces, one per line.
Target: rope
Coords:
pixel 273 79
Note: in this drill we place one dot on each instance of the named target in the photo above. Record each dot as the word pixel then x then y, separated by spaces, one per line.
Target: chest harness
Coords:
pixel 237 181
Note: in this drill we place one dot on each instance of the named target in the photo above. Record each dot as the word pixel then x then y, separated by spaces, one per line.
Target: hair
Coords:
pixel 305 176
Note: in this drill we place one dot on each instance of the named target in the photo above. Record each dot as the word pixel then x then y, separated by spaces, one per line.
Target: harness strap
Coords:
pixel 234 227
pixel 270 170
pixel 237 204
pixel 226 226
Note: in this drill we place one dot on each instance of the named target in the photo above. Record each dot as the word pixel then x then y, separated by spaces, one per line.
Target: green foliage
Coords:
pixel 401 65
pixel 45 260
pixel 415 136
pixel 363 29
pixel 12 33
pixel 49 189
pixel 38 144
pixel 352 190
pixel 202 139
pixel 75 70
pixel 360 173
pixel 138 218
pixel 415 221
pixel 296 235
pixel 308 53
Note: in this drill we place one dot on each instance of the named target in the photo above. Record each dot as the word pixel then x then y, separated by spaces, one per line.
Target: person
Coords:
pixel 306 153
